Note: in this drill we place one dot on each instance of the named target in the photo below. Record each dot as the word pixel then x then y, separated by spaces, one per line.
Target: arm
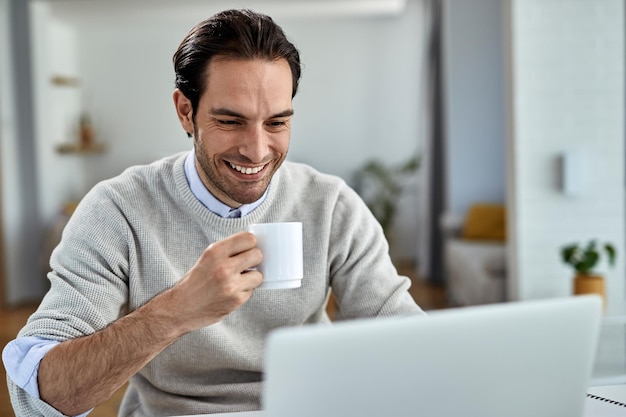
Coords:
pixel 364 279
pixel 78 374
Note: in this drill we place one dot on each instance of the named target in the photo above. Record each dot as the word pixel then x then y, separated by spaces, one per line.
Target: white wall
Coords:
pixel 57 110
pixel 566 68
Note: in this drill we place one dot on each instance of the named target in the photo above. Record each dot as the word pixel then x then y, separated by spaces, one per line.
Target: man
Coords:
pixel 153 280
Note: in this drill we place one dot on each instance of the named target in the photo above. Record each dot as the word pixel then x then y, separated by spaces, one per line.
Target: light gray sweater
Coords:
pixel 135 235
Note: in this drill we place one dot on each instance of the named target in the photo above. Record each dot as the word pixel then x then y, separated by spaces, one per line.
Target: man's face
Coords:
pixel 242 127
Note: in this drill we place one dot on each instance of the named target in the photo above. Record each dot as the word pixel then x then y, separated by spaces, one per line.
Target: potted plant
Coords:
pixel 380 186
pixel 583 259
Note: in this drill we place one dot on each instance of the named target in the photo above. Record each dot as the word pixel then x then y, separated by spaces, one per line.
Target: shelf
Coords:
pixel 77 148
pixel 65 81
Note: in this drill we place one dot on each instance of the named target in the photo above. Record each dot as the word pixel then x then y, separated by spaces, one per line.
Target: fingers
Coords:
pixel 234 245
pixel 231 262
pixel 253 279
pixel 235 254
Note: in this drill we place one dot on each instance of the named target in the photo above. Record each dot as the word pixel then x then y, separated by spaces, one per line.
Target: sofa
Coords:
pixel 475 255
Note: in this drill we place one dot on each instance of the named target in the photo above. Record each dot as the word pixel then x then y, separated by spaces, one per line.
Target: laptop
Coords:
pixel 516 359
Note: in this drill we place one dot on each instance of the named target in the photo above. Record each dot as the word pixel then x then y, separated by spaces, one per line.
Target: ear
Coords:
pixel 184 111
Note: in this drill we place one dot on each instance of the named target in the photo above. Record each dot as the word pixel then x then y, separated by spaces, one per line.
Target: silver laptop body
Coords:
pixel 517 359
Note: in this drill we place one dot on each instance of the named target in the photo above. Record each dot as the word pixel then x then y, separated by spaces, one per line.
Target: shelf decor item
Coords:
pixel 86 143
pixel 86 133
pixel 583 258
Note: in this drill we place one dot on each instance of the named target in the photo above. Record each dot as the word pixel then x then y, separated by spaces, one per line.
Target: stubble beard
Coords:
pixel 241 192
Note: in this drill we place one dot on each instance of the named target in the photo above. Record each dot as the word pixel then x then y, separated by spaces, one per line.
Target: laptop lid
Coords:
pixel 513 359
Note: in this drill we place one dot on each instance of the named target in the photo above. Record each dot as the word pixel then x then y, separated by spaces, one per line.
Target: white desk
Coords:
pixel 599 408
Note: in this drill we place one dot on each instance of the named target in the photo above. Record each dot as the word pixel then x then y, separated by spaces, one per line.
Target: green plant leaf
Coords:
pixel 567 253
pixel 610 252
pixel 381 187
pixel 583 258
pixel 588 260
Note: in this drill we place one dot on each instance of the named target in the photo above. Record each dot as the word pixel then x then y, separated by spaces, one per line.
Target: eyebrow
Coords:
pixel 222 111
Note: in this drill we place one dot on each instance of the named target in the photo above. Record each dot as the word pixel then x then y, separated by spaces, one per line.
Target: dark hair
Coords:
pixel 240 34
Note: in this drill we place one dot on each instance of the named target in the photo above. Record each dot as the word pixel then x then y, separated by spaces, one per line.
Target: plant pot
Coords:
pixel 590 284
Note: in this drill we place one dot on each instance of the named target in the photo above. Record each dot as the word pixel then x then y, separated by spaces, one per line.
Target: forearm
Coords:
pixel 78 374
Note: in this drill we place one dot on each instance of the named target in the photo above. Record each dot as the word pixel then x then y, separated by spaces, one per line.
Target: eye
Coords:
pixel 276 124
pixel 228 122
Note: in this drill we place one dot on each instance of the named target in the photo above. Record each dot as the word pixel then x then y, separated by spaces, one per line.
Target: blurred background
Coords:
pixel 503 117
pixel 490 131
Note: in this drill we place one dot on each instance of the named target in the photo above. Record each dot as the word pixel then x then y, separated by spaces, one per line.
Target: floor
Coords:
pixel 428 296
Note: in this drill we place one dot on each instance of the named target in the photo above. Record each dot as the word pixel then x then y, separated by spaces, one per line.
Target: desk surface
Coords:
pixel 597 407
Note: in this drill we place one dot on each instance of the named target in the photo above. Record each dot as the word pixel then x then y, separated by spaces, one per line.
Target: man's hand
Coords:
pixel 219 282
pixel 79 374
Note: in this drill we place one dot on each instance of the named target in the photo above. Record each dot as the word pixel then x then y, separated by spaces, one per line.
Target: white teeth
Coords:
pixel 248 170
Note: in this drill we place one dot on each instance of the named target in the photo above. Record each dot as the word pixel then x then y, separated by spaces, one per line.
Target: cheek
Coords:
pixel 281 142
pixel 215 141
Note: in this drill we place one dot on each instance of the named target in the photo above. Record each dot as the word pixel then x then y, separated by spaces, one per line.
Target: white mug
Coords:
pixel 281 245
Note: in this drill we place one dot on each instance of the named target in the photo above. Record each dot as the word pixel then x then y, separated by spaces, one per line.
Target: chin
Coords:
pixel 249 197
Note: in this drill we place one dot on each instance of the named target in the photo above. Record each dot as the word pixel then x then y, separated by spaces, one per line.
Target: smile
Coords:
pixel 246 170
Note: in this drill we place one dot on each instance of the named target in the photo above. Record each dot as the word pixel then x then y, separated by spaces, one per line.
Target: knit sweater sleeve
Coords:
pixel 363 277
pixel 89 269
pixel 88 284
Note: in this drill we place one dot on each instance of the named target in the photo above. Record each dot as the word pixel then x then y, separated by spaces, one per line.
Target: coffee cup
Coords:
pixel 281 245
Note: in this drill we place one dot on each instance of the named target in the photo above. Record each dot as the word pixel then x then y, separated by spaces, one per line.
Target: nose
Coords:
pixel 255 144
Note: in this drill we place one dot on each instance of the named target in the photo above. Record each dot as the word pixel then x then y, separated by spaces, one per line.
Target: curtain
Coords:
pixel 432 181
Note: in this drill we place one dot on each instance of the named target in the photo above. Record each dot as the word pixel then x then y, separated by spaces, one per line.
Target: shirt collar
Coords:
pixel 208 200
